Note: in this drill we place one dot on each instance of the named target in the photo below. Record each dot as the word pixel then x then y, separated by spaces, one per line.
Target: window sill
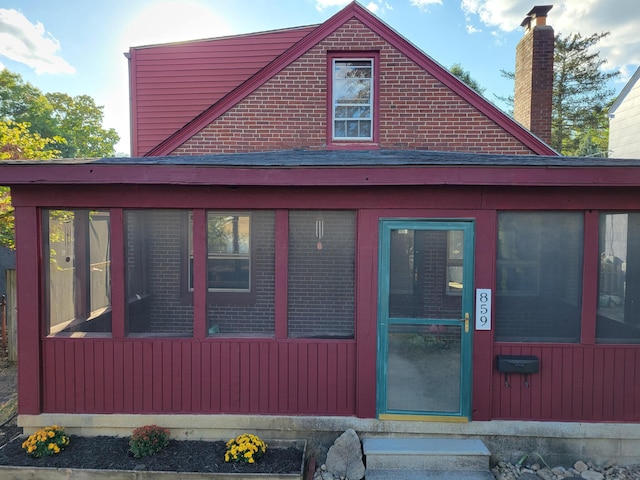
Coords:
pixel 351 145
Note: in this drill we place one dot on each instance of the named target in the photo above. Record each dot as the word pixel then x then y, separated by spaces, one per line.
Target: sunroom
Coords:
pixel 382 291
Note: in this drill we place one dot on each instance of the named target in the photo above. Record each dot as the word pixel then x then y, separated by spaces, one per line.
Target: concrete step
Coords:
pixel 425 454
pixel 427 475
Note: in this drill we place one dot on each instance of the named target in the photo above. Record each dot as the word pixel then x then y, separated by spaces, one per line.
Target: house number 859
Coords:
pixel 483 309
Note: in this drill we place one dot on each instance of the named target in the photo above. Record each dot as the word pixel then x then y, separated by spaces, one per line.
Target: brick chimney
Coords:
pixel 534 74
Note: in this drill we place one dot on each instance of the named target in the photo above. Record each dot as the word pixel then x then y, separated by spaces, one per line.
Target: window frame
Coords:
pixel 353 142
pixel 82 295
pixel 218 295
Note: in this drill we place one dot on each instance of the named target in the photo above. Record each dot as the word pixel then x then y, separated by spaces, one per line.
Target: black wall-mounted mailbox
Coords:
pixel 517 363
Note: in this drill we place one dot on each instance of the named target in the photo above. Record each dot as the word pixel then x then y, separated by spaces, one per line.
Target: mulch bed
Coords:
pixel 111 453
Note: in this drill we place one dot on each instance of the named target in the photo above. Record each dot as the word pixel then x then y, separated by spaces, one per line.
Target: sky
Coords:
pixel 77 46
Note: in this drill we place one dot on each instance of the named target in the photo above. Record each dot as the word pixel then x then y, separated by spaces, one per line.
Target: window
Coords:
pixel 618 317
pixel 539 276
pixel 241 273
pixel 352 99
pixel 228 252
pixel 455 252
pixel 156 304
pixel 321 284
pixel 77 246
pixel 229 247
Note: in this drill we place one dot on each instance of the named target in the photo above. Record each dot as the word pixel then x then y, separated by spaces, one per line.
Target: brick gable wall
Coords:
pixel 289 111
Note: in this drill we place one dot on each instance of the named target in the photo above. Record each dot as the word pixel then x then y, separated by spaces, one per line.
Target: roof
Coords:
pixel 625 91
pixel 328 168
pixel 220 104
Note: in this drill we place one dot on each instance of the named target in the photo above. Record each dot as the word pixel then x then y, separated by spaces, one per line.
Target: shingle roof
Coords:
pixel 344 158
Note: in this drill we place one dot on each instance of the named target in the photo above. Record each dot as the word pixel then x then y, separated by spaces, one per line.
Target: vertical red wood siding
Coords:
pixel 91 375
pixel 598 383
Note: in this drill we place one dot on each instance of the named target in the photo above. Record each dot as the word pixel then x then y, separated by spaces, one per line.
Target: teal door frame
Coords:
pixel 468 228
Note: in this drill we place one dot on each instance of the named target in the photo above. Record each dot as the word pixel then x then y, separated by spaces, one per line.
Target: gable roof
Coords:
pixel 312 38
pixel 625 91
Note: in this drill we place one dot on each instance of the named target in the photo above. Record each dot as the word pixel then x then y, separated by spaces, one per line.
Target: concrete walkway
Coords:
pixel 8 390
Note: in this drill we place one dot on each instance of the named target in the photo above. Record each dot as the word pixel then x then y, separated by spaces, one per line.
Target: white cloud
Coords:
pixel 424 4
pixel 471 29
pixel 29 43
pixel 620 49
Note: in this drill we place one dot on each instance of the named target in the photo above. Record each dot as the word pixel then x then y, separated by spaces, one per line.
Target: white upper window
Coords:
pixel 352 101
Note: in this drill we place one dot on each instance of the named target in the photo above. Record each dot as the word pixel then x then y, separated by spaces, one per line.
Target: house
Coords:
pixel 343 235
pixel 624 121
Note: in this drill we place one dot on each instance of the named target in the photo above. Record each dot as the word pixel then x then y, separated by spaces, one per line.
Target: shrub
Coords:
pixel 245 448
pixel 48 441
pixel 148 440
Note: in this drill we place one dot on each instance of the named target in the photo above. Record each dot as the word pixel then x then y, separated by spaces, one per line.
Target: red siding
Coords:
pixel 171 84
pixel 598 383
pixel 188 376
pixel 416 110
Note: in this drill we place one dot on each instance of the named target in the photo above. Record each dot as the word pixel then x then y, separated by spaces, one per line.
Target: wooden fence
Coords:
pixel 9 327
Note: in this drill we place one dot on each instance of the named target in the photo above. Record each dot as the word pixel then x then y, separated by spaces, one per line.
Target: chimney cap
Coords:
pixel 539 12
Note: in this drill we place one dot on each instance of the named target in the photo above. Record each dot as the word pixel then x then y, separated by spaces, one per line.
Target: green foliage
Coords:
pixel 148 440
pixel 45 442
pixel 78 120
pixel 580 95
pixel 465 76
pixel 18 142
pixel 7 219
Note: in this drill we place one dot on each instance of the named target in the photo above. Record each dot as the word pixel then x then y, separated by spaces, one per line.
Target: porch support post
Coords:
pixel 118 284
pixel 200 282
pixel 282 273
pixel 485 268
pixel 366 314
pixel 30 298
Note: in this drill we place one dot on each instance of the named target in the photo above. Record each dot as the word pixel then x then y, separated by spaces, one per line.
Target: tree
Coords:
pixel 581 97
pixel 465 76
pixel 16 142
pixel 79 120
pixel 76 119
pixel 7 221
pixel 580 94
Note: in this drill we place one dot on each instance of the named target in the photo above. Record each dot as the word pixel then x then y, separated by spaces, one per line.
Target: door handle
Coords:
pixel 466 322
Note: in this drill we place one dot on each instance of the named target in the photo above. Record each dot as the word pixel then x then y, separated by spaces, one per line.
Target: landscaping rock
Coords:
pixel 344 458
pixel 592 475
pixel 580 466
pixel 580 470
